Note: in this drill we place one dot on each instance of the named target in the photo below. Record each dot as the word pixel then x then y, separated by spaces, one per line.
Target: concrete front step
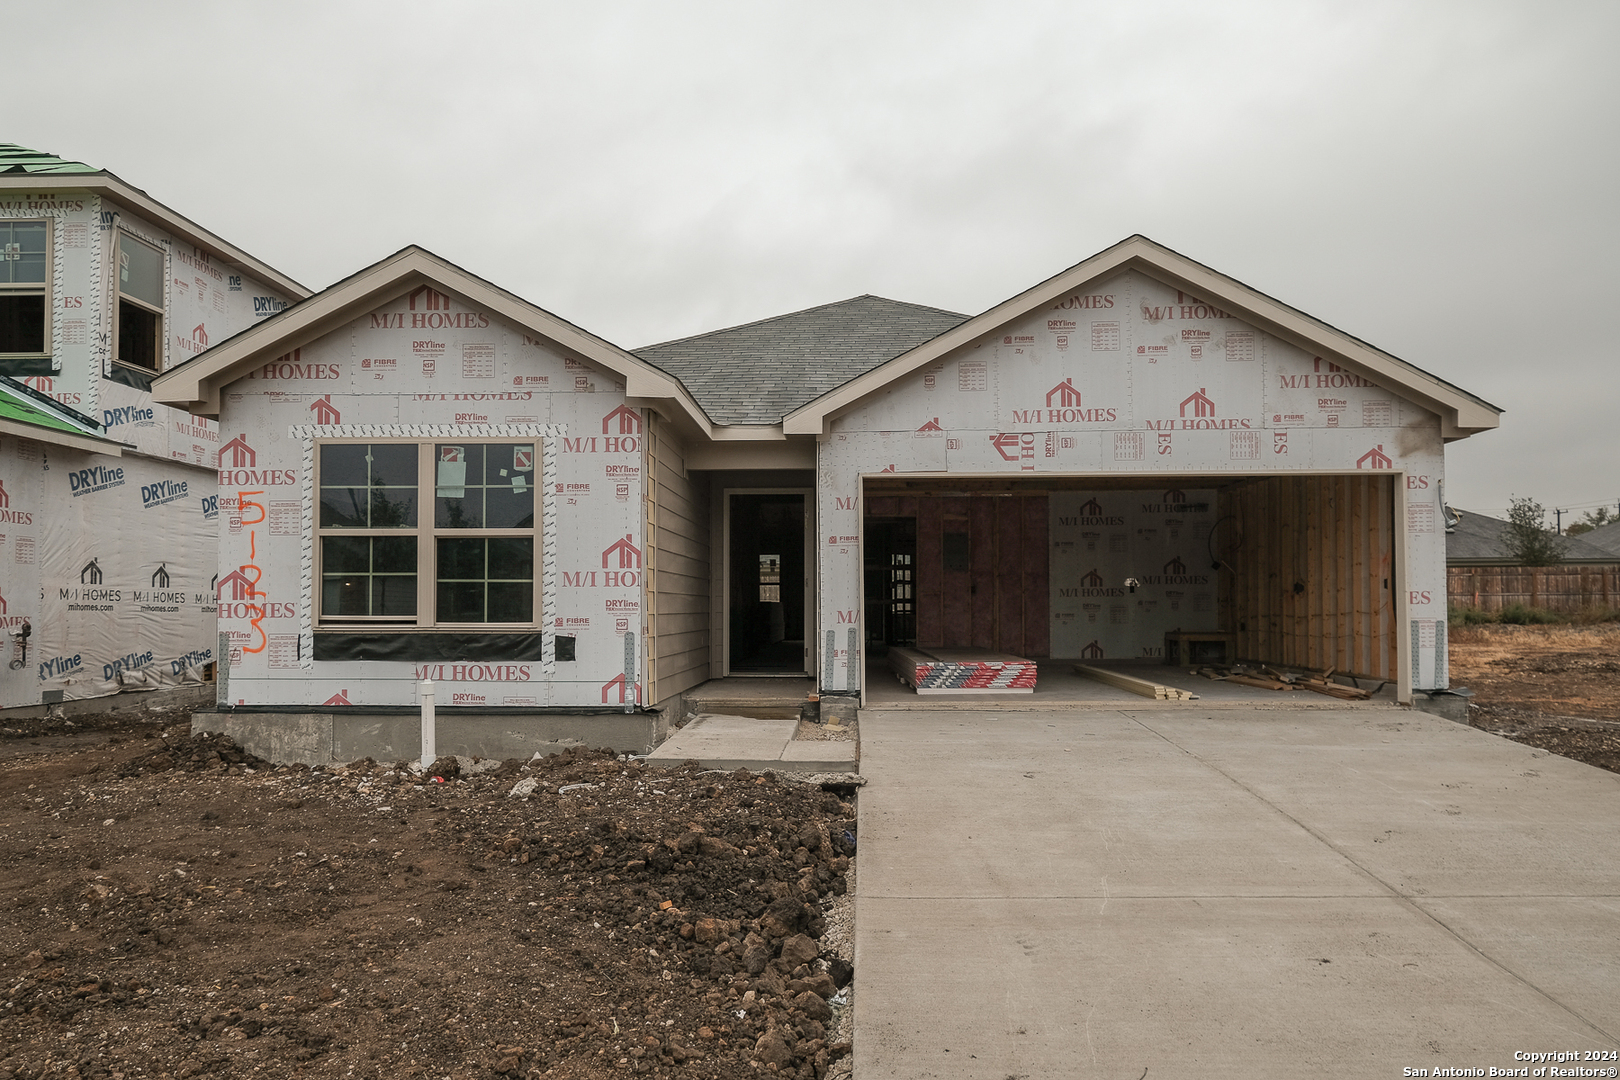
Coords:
pixel 719 741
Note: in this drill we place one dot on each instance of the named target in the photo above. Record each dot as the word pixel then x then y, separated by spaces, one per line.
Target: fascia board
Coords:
pixel 109 186
pixel 721 455
pixel 197 382
pixel 749 433
pixel 61 438
pixel 1462 414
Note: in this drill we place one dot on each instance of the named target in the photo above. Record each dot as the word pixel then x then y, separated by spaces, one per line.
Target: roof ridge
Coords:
pixel 791 315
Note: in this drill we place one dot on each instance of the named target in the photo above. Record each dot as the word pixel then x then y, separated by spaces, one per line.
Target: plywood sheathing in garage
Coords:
pixel 1309 578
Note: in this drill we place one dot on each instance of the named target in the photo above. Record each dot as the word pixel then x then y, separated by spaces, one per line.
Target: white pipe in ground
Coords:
pixel 430 740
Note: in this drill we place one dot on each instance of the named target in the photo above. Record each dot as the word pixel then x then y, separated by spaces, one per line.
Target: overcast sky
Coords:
pixel 1436 178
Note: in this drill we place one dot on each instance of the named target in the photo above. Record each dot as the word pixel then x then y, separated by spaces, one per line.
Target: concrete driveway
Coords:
pixel 1185 892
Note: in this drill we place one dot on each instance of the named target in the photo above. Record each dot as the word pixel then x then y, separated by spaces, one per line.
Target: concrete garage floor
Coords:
pixel 1057 686
pixel 1176 893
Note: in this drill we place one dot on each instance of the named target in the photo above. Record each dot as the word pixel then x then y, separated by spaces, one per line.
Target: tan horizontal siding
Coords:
pixel 679 557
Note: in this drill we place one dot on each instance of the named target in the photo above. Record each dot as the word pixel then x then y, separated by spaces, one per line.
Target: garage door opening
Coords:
pixel 1286 570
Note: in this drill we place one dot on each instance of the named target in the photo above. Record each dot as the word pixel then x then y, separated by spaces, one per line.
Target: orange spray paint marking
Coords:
pixel 253 579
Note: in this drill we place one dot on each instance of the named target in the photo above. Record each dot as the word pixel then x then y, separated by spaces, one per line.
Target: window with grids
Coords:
pixel 430 534
pixel 25 268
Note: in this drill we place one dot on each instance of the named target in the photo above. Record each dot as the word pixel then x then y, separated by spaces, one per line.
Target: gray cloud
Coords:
pixel 1435 178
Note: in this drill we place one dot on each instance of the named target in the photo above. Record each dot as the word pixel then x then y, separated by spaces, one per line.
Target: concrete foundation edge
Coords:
pixel 332 738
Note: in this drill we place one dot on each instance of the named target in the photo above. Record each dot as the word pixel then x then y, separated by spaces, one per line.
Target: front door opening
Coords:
pixel 766 628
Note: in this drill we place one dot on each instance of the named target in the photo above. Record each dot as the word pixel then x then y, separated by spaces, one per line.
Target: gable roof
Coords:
pixel 27 413
pixel 1461 413
pixel 1478 540
pixel 757 372
pixel 196 384
pixel 31 170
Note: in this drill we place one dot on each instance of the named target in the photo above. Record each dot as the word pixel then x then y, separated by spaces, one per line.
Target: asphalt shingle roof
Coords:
pixel 1477 538
pixel 1604 537
pixel 759 372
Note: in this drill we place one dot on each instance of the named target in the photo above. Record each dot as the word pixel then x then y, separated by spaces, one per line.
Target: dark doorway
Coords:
pixel 891 582
pixel 767 584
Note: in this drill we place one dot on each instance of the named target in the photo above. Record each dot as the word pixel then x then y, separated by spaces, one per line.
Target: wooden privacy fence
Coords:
pixel 1556 588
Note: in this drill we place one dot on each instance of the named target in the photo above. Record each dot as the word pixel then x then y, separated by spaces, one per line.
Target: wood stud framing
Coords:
pixel 1309 580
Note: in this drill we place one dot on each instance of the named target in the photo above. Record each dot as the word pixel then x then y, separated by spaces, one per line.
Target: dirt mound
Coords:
pixel 182 908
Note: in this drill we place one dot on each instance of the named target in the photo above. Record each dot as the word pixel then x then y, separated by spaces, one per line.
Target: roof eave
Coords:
pixel 58 437
pixel 110 186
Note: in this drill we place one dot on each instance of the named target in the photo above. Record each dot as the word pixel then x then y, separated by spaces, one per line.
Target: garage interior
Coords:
pixel 1304 568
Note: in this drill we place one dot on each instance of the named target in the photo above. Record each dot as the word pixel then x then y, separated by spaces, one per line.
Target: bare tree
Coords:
pixel 1527 537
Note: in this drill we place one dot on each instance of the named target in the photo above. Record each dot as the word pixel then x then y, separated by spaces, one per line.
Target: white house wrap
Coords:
pixel 109 523
pixel 1137 447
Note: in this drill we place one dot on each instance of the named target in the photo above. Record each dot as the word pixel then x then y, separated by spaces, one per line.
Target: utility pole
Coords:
pixel 1558 521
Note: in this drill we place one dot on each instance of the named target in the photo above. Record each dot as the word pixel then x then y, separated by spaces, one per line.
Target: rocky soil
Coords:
pixel 175 908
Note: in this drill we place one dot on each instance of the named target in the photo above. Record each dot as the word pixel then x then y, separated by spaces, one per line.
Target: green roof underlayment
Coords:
pixel 19 404
pixel 20 159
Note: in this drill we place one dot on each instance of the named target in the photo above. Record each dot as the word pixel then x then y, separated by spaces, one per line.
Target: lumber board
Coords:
pixel 1264 684
pixel 1144 687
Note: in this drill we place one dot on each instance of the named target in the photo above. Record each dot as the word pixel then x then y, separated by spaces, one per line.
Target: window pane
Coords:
pixel 393 594
pixel 512 603
pixel 393 508
pixel 22 252
pixel 368 575
pixel 484 486
pixel 343 595
pixel 461 513
pixel 393 465
pixel 508 509
pixel 511 559
pixel 22 323
pixel 393 555
pixel 346 555
pixel 461 560
pixel 140 270
pixel 461 601
pixel 486 579
pixel 368 486
pixel 344 465
pixel 343 507
pixel 138 331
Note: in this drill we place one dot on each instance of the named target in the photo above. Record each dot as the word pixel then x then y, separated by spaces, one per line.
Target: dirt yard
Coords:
pixel 1552 687
pixel 174 908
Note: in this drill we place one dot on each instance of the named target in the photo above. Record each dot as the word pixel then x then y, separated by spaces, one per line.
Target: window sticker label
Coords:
pixel 452 473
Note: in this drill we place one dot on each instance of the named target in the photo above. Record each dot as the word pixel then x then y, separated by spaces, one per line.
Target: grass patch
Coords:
pixel 1525 615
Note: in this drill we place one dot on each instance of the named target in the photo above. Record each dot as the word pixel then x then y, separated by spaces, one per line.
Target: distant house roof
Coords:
pixel 20 159
pixel 1477 540
pixel 758 372
pixel 29 414
pixel 1604 537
